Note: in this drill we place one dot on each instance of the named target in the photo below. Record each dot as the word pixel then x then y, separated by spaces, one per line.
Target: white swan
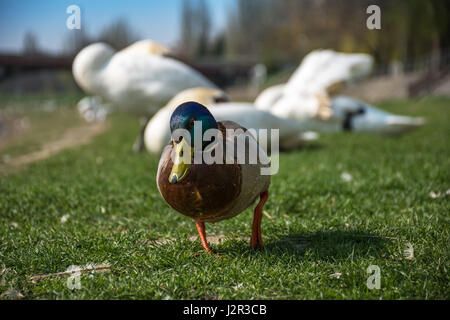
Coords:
pixel 325 70
pixel 157 132
pixel 92 109
pixel 147 47
pixel 306 97
pixel 138 79
pixel 320 71
pixel 354 115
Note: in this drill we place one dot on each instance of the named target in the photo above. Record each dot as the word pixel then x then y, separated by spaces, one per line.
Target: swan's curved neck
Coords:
pixel 88 65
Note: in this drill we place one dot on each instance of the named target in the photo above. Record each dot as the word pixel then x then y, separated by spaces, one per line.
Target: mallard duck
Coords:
pixel 309 97
pixel 139 79
pixel 155 133
pixel 211 192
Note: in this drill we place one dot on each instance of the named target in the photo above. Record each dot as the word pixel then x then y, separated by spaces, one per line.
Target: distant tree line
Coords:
pixel 196 38
pixel 118 34
pixel 277 32
pixel 280 31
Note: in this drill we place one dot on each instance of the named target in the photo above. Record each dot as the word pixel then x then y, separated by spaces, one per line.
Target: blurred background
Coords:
pixel 226 39
pixel 341 203
pixel 243 46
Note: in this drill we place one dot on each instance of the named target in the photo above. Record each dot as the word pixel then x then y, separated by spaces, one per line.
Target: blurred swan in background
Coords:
pixel 139 78
pixel 147 46
pixel 156 132
pixel 355 115
pixel 308 97
pixel 321 71
pixel 92 109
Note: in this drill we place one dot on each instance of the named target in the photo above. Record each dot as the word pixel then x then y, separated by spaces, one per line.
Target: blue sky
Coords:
pixel 153 19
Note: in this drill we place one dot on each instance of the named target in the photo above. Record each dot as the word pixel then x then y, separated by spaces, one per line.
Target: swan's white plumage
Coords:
pixel 306 96
pixel 372 119
pixel 320 72
pixel 321 69
pixel 290 131
pixel 320 113
pixel 268 97
pixel 147 47
pixel 133 79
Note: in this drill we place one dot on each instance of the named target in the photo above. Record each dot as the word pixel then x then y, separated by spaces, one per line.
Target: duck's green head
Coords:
pixel 184 117
pixel 187 113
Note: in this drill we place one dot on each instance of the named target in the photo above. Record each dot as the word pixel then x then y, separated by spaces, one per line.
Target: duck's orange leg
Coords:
pixel 256 240
pixel 202 233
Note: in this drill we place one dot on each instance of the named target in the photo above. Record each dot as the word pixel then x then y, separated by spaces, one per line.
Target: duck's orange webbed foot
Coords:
pixel 256 239
pixel 202 233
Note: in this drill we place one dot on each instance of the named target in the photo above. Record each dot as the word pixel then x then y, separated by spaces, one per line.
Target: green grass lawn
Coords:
pixel 320 225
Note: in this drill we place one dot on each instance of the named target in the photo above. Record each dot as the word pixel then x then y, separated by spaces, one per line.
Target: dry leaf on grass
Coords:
pixel 12 294
pixel 346 177
pixel 409 252
pixel 238 286
pixel 64 218
pixel 74 269
pixel 267 215
pixel 434 195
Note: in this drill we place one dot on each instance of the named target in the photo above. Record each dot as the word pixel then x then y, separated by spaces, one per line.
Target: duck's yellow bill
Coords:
pixel 183 158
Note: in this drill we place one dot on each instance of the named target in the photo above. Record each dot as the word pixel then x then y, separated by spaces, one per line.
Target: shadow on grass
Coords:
pixel 323 245
pixel 306 147
pixel 339 244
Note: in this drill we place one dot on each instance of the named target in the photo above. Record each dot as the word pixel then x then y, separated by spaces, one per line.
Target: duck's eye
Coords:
pixel 191 122
pixel 179 139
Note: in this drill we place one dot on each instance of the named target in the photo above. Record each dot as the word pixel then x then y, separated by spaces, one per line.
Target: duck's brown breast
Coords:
pixel 214 192
pixel 205 192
